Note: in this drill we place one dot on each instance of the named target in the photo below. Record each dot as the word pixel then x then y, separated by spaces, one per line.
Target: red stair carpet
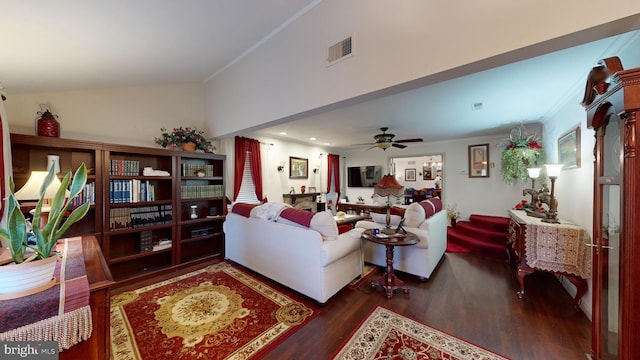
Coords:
pixel 483 235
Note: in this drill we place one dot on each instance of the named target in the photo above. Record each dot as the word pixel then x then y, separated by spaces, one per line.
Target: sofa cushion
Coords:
pixel 431 206
pixel 243 209
pixel 382 219
pixel 397 211
pixel 322 222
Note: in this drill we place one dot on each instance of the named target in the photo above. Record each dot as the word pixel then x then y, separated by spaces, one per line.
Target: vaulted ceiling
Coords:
pixel 71 45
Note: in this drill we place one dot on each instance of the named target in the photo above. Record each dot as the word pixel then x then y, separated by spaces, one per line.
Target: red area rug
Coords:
pixel 385 334
pixel 219 312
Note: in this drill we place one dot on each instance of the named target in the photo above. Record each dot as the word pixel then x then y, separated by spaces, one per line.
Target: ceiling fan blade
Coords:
pixel 362 144
pixel 399 146
pixel 408 140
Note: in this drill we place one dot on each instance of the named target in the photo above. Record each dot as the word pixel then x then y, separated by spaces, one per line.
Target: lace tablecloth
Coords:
pixel 555 247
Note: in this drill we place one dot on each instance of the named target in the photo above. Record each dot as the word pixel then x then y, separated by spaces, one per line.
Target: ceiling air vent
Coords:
pixel 339 51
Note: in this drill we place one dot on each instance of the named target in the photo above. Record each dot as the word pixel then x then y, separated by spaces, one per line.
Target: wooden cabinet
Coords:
pixel 29 153
pixel 143 198
pixel 201 206
pixel 138 210
pixel 612 102
pixel 100 281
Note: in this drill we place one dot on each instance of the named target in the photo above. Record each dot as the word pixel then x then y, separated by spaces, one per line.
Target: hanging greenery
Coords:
pixel 520 152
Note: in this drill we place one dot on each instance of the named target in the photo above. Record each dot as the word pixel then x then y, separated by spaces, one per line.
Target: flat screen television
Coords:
pixel 363 176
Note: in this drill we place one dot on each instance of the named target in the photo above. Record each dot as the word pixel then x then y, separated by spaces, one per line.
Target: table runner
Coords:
pixel 60 313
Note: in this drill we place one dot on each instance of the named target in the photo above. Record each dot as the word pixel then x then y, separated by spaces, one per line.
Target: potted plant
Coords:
pixel 453 214
pixel 14 235
pixel 520 152
pixel 189 139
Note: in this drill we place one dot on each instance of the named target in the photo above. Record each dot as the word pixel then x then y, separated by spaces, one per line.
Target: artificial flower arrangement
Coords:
pixel 520 152
pixel 452 211
pixel 184 135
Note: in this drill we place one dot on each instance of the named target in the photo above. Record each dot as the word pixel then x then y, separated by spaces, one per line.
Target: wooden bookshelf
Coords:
pixel 128 202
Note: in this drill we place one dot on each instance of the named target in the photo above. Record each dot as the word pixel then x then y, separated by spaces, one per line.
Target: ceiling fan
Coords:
pixel 385 141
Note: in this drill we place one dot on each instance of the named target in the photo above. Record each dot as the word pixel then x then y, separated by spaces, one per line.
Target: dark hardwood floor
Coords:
pixel 467 296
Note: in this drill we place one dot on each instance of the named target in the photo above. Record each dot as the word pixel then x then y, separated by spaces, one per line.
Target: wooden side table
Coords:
pixel 389 282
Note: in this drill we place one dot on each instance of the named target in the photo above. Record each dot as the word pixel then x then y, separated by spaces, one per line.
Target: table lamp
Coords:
pixel 553 171
pixel 388 186
pixel 31 191
pixel 534 173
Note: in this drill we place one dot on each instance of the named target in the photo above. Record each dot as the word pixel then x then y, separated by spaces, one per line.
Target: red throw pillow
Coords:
pixel 431 206
pixel 344 228
pixel 302 217
pixel 243 209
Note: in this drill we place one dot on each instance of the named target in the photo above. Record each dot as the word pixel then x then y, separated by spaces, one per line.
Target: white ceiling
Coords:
pixel 76 44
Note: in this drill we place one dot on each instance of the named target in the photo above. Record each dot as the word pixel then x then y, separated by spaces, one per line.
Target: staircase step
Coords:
pixel 477 245
pixel 495 223
pixel 469 228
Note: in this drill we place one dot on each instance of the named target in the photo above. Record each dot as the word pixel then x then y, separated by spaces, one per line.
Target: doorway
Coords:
pixel 421 176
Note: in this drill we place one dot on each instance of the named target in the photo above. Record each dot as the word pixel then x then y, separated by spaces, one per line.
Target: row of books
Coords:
pixel 87 194
pixel 125 191
pixel 200 191
pixel 141 216
pixel 124 167
pixel 193 169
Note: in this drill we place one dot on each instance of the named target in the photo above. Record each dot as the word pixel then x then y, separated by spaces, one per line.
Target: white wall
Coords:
pixel 394 43
pixel 132 115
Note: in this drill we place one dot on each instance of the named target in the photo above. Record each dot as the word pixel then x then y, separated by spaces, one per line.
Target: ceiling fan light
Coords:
pixel 384 145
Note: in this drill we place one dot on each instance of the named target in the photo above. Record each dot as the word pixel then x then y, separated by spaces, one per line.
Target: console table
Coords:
pixel 554 248
pixel 306 201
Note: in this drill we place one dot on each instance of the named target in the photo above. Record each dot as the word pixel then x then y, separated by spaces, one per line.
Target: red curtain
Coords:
pixel 244 145
pixel 333 162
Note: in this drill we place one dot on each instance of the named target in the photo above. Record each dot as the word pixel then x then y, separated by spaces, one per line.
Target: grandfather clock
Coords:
pixel 612 102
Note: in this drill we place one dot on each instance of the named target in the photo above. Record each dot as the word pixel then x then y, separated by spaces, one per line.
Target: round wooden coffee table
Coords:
pixel 389 282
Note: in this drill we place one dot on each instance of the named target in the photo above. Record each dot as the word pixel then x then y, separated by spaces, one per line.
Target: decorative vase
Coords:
pixel 188 146
pixel 18 280
pixel 453 222
pixel 302 190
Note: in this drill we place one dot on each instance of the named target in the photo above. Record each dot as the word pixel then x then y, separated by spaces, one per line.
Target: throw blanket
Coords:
pixel 60 313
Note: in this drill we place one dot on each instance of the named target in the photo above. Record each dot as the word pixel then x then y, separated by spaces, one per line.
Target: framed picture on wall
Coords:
pixel 427 173
pixel 298 168
pixel 569 149
pixel 410 174
pixel 479 160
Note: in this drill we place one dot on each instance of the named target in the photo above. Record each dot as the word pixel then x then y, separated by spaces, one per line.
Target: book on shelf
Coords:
pixel 140 216
pixel 124 167
pixel 131 191
pixel 191 169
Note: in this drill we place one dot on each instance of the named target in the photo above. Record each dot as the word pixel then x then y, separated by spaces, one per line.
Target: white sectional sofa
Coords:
pixel 428 221
pixel 313 260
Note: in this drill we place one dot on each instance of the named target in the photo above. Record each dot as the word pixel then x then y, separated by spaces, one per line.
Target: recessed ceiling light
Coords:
pixel 312 139
pixel 283 133
pixel 326 144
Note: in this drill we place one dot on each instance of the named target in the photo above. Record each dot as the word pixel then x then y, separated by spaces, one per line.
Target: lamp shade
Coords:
pixel 388 185
pixel 534 173
pixel 553 170
pixel 31 190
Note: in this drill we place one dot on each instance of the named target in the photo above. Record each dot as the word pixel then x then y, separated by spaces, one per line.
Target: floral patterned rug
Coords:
pixel 218 312
pixel 387 335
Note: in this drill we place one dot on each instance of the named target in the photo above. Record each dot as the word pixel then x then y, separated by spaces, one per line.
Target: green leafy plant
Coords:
pixel 15 234
pixel 520 152
pixel 184 135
